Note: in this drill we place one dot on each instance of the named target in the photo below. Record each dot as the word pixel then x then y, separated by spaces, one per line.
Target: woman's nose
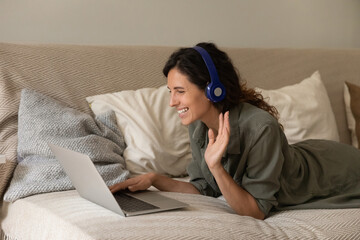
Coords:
pixel 173 101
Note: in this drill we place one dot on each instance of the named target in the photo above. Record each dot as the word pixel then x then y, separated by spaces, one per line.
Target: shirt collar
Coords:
pixel 200 132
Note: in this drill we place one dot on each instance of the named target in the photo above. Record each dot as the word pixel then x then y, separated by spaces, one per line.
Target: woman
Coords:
pixel 239 148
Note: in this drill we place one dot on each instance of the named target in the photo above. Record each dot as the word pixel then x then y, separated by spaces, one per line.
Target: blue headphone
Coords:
pixel 215 90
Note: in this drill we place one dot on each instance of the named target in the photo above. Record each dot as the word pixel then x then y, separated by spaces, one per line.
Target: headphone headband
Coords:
pixel 215 90
pixel 209 64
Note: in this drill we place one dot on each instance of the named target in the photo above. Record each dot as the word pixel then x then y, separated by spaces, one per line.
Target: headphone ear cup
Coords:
pixel 215 92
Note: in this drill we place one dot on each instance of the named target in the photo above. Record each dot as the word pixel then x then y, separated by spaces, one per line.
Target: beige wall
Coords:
pixel 242 23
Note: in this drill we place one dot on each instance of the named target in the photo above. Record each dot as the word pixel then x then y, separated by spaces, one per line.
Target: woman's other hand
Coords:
pixel 138 183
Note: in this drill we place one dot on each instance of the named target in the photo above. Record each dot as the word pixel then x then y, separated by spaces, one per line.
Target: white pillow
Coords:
pixel 156 140
pixel 305 110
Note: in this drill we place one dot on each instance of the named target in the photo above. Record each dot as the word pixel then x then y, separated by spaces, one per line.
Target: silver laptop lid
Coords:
pixel 85 178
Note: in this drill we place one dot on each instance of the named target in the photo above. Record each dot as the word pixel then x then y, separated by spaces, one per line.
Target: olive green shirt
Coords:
pixel 309 174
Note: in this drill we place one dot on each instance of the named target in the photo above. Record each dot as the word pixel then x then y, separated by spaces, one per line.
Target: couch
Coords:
pixel 71 74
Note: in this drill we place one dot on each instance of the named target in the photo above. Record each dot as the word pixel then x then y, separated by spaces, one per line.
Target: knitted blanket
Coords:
pixel 44 120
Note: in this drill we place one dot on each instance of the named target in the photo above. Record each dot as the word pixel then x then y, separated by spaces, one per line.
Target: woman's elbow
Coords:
pixel 252 211
pixel 259 215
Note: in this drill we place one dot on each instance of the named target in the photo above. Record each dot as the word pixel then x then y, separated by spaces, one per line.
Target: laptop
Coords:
pixel 90 185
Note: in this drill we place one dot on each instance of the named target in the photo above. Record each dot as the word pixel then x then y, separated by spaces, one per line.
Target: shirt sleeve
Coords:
pixel 196 169
pixel 199 181
pixel 264 165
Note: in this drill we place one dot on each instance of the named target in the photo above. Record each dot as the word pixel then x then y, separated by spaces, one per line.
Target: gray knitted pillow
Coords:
pixel 42 120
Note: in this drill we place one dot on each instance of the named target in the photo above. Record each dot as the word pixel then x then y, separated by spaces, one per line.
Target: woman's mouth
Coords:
pixel 184 110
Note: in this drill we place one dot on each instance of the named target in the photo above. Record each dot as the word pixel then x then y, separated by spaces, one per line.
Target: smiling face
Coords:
pixel 190 101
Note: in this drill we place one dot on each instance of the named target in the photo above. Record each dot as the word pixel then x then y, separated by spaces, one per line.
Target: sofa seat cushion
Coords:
pixel 65 215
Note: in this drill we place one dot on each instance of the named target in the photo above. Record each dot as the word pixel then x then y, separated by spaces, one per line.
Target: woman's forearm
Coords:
pixel 164 183
pixel 238 198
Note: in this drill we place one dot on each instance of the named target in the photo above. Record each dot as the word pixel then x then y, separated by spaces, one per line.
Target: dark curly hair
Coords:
pixel 190 63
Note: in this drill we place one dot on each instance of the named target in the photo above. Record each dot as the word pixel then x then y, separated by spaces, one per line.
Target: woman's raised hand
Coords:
pixel 217 144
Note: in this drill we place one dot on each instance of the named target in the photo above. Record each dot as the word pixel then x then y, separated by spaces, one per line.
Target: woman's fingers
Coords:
pixel 134 188
pixel 117 187
pixel 211 136
pixel 221 123
pixel 122 185
pixel 227 123
pixel 137 183
pixel 224 125
pixel 224 132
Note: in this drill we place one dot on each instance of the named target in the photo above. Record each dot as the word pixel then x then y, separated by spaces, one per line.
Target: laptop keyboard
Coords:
pixel 131 204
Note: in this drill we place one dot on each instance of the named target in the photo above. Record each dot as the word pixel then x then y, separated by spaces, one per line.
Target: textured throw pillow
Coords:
pixel 305 110
pixel 42 120
pixel 155 138
pixel 352 107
